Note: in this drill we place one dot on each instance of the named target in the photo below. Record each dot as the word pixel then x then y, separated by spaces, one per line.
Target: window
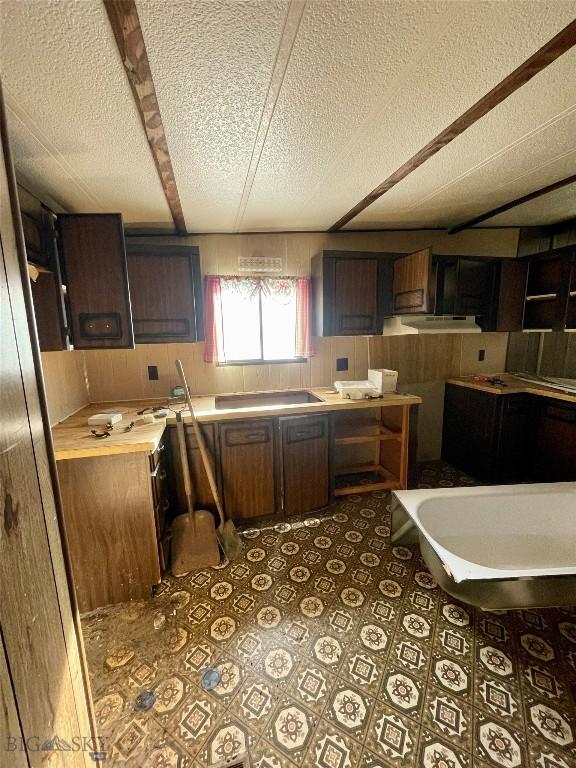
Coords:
pixel 256 319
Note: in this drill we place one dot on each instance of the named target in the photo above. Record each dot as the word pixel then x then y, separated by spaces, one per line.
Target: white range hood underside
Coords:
pixel 405 324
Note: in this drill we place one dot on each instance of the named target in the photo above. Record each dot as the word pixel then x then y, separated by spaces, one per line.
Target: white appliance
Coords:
pixel 404 324
pixel 380 381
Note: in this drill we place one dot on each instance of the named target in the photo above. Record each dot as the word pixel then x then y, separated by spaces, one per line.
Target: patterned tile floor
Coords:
pixel 336 651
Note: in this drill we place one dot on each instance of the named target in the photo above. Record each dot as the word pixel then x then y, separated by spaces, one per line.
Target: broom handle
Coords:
pixel 206 459
pixel 185 465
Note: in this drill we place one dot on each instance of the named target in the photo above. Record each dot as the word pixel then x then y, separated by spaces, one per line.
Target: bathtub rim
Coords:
pixel 462 570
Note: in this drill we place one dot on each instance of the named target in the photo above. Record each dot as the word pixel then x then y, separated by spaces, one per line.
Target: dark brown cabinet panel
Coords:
pixel 47 295
pixel 111 528
pixel 94 266
pixel 305 463
pixel 488 436
pixel 166 293
pixel 470 434
pixel 352 292
pixel 49 312
pixel 506 438
pixel 474 286
pixel 548 292
pixel 554 456
pixel 412 283
pixel 247 459
pixel 511 290
pixel 355 296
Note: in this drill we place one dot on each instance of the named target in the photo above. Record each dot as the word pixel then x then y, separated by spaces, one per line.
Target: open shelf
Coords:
pixel 543 297
pixel 368 433
pixel 362 478
pixel 370 450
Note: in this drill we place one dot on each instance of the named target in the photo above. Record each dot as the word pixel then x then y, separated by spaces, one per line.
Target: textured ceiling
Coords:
pixel 525 143
pixel 282 115
pixel 75 132
pixel 555 206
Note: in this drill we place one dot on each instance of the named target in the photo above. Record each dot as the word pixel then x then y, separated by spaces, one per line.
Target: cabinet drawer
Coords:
pixel 558 413
pixel 261 433
pixel 409 299
pixel 313 430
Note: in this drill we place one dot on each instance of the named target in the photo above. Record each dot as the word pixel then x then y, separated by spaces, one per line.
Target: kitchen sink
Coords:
pixel 257 399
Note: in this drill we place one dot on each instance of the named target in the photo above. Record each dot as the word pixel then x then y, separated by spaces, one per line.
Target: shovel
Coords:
pixel 194 544
pixel 226 532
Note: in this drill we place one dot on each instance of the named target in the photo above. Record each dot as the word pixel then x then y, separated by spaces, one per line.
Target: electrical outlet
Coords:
pixel 152 373
pixel 341 363
pixel 481 355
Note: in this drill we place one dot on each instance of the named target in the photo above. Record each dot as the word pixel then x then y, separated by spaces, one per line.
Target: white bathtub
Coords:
pixel 497 546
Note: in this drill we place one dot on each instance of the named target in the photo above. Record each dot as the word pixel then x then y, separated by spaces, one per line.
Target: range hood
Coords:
pixel 404 324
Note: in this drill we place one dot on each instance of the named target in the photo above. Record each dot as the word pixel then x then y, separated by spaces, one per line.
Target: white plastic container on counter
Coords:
pixel 383 380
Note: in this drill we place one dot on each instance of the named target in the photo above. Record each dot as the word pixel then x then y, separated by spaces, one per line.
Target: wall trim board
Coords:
pixel 513 203
pixel 125 23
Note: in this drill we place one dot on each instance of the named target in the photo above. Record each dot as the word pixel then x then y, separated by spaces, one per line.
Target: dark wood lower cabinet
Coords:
pixel 305 463
pixel 470 434
pixel 554 457
pixel 501 438
pixel 247 460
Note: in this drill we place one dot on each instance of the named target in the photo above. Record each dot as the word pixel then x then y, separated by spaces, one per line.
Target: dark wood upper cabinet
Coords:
pixel 412 287
pixel 166 293
pixel 352 292
pixel 445 285
pixel 94 265
pixel 511 279
pixel 305 463
pixel 550 294
pixel 247 460
pixel 47 294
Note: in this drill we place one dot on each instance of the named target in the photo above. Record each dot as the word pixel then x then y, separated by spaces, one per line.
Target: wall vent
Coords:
pixel 260 264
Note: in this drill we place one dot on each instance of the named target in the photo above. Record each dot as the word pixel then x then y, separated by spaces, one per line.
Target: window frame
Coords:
pixel 261 360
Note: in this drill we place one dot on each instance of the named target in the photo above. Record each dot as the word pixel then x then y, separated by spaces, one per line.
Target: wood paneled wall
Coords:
pixel 219 253
pixel 66 383
pixel 44 680
pixel 123 374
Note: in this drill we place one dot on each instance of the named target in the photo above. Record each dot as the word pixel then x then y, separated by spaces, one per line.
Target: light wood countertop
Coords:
pixel 206 411
pixel 513 386
pixel 73 439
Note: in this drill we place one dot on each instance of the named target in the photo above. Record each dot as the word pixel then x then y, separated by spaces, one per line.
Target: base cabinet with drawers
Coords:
pixel 501 438
pixel 291 465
